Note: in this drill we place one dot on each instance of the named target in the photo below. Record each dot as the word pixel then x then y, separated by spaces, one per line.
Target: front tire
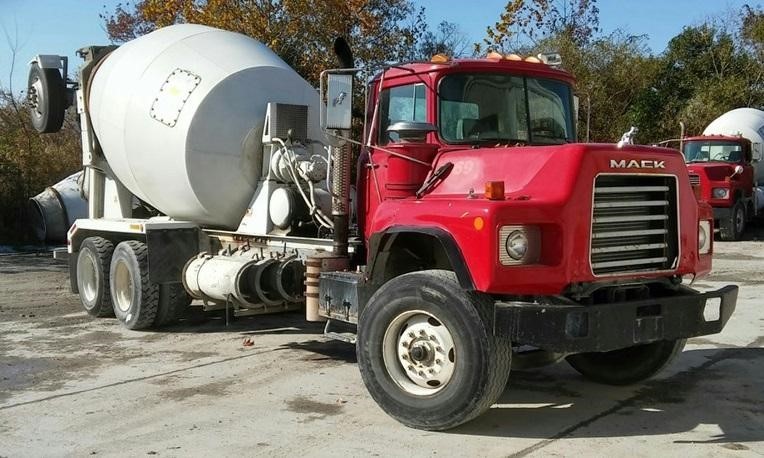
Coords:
pixel 732 227
pixel 134 297
pixel 427 353
pixel 93 263
pixel 628 365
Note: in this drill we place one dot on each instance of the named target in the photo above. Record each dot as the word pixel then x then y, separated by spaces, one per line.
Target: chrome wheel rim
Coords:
pixel 123 286
pixel 87 276
pixel 419 353
pixel 36 97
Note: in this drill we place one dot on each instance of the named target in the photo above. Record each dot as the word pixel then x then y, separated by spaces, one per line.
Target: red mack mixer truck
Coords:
pixel 480 235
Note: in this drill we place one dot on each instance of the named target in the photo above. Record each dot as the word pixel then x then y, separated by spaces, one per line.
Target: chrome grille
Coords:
pixel 634 224
pixel 694 179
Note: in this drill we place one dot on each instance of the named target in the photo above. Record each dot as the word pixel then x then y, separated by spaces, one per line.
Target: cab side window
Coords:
pixel 402 103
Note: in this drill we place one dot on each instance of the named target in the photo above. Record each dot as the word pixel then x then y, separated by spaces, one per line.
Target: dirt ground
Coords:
pixel 72 385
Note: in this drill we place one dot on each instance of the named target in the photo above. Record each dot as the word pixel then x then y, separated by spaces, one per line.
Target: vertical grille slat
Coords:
pixel 634 224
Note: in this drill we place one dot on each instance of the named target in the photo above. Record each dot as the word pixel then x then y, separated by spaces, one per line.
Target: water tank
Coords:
pixel 179 114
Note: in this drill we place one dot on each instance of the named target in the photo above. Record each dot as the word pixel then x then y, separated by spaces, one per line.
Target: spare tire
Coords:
pixel 46 98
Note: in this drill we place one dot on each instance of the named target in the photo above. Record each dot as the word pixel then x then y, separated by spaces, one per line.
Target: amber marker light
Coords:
pixel 494 55
pixel 513 57
pixel 439 58
pixel 478 223
pixel 533 60
pixel 494 190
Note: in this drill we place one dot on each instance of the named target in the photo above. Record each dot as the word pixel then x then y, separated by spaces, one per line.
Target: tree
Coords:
pixel 300 31
pixel 447 39
pixel 704 72
pixel 525 21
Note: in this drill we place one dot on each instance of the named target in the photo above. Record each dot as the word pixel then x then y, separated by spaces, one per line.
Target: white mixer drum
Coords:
pixel 179 115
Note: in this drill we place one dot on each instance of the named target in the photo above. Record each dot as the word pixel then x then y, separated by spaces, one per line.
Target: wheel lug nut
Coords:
pixel 421 374
pixel 411 368
pixel 422 333
pixel 404 344
pixel 437 361
pixel 412 335
pixel 405 356
pixel 432 371
pixel 439 349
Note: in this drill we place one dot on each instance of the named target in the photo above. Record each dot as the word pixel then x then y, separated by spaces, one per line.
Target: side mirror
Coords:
pixel 411 131
pixel 737 171
pixel 338 107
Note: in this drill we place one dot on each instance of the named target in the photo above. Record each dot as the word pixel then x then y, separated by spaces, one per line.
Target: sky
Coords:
pixel 63 26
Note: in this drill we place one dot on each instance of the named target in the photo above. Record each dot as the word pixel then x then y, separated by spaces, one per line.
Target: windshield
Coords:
pixel 712 150
pixel 497 107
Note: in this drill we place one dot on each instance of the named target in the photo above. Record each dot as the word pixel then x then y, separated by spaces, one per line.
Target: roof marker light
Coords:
pixel 439 58
pixel 513 57
pixel 494 55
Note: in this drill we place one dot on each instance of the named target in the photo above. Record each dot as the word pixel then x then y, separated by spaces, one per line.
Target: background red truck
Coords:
pixel 484 236
pixel 724 163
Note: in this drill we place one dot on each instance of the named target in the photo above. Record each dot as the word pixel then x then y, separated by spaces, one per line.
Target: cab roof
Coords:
pixel 477 65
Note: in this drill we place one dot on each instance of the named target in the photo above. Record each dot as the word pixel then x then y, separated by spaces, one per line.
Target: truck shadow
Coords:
pixel 724 390
pixel 197 321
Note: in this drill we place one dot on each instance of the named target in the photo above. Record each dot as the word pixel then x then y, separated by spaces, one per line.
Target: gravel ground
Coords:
pixel 72 385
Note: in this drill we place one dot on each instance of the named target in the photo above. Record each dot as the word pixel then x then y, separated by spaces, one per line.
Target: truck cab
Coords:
pixel 721 167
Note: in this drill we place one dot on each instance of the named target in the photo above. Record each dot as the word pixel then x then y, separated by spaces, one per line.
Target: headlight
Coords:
pixel 704 237
pixel 519 245
pixel 721 193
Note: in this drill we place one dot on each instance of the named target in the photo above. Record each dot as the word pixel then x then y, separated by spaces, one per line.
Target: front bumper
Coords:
pixel 606 327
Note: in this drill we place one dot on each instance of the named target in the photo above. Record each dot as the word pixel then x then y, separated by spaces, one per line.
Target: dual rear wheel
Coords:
pixel 114 281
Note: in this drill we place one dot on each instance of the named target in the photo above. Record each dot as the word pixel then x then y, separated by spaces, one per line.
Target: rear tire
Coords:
pixel 46 97
pixel 173 301
pixel 732 227
pixel 93 263
pixel 427 353
pixel 134 297
pixel 628 365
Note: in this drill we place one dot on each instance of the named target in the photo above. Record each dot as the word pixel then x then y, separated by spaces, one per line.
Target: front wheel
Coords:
pixel 628 365
pixel 732 227
pixel 427 353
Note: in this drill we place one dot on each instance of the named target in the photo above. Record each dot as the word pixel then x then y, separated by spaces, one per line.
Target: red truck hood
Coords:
pixel 549 172
pixel 714 171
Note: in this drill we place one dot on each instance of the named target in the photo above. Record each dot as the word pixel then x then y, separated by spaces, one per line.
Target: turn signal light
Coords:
pixel 494 190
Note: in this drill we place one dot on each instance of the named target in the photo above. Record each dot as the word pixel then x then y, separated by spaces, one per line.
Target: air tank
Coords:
pixel 179 115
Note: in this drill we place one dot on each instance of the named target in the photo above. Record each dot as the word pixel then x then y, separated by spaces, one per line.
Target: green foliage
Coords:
pixel 29 162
